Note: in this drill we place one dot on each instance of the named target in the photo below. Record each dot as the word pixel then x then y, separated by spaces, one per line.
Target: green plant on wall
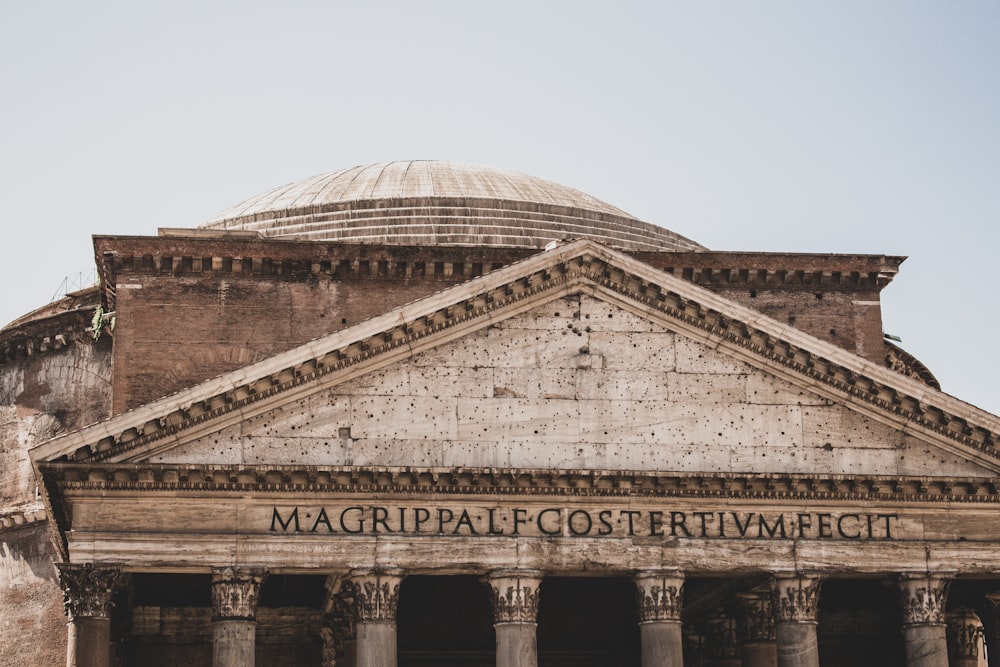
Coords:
pixel 100 322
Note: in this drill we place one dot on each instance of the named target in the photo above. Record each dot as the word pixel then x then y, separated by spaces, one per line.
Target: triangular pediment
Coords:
pixel 576 383
pixel 749 383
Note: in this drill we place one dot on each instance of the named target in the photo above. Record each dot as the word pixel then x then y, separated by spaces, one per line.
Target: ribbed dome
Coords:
pixel 440 203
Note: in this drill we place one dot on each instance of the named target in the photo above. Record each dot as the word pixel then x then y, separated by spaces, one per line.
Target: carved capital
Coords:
pixel 923 599
pixel 514 595
pixel 661 596
pixel 755 622
pixel 88 590
pixel 965 632
pixel 374 594
pixel 721 640
pixel 235 592
pixel 795 598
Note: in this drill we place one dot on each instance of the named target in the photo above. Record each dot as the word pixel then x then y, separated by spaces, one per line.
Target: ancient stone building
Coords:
pixel 426 414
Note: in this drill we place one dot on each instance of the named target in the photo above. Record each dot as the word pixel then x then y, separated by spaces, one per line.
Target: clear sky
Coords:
pixel 858 127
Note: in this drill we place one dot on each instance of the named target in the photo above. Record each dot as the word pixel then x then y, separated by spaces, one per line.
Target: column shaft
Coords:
pixel 517 645
pixel 797 645
pixel 376 645
pixel 514 595
pixel 760 654
pixel 89 642
pixel 235 592
pixel 234 643
pixel 795 604
pixel 991 619
pixel 661 598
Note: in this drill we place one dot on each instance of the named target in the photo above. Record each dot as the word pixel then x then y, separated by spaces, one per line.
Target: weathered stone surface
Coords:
pixel 654 400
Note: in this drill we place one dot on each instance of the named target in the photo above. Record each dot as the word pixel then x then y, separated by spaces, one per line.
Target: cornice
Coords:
pixel 21 517
pixel 209 252
pixel 242 479
pixel 49 333
pixel 830 371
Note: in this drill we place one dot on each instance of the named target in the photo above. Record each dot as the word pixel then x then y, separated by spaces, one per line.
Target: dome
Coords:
pixel 425 202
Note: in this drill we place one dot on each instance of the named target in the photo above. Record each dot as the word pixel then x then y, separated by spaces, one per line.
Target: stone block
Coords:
pixel 634 351
pixel 694 357
pixel 532 383
pixel 505 418
pixel 601 317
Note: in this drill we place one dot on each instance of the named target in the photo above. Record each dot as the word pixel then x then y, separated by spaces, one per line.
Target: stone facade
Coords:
pixel 324 453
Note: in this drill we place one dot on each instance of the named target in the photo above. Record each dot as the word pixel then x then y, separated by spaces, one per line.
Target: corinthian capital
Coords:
pixel 514 595
pixel 88 590
pixel 923 599
pixel 964 632
pixel 661 596
pixel 374 594
pixel 755 621
pixel 235 592
pixel 795 598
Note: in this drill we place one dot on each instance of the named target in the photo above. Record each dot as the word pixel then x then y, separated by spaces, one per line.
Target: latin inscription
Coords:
pixel 574 522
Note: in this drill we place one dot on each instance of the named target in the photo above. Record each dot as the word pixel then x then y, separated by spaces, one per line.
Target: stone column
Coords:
pixel 514 595
pixel 235 592
pixel 755 626
pixel 721 643
pixel 694 648
pixel 661 597
pixel 795 603
pixel 923 602
pixel 990 616
pixel 87 593
pixel 340 634
pixel 965 632
pixel 374 601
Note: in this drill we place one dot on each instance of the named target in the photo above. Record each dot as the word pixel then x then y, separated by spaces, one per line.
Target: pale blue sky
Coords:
pixel 867 127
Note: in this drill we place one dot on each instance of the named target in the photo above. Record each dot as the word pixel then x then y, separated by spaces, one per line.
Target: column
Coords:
pixel 514 595
pixel 991 619
pixel 795 603
pixel 721 643
pixel 694 648
pixel 374 601
pixel 965 632
pixel 235 592
pixel 340 634
pixel 87 594
pixel 660 632
pixel 755 626
pixel 923 602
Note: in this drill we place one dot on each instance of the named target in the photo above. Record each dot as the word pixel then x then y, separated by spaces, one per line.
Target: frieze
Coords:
pixel 924 599
pixel 857 383
pixel 576 521
pixel 235 593
pixel 514 596
pixel 88 590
